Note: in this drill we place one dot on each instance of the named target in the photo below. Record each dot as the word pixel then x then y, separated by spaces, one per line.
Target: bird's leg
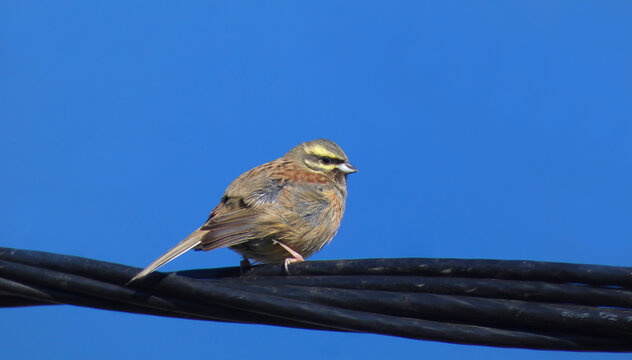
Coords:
pixel 244 265
pixel 296 257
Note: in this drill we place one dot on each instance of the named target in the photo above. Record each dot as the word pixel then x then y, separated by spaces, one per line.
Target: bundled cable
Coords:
pixel 523 304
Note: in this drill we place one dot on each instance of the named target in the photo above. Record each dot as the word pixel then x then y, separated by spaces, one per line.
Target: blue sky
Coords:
pixel 487 129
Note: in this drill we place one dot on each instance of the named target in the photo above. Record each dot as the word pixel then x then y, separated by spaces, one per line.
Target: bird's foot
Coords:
pixel 296 257
pixel 244 265
pixel 288 261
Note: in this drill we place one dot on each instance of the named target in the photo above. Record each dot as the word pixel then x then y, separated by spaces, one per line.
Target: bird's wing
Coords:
pixel 234 220
pixel 244 212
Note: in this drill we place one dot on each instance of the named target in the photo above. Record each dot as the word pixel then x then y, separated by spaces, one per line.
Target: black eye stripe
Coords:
pixel 324 160
pixel 329 160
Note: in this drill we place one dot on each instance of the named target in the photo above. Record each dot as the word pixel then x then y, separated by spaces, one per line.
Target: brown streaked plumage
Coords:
pixel 282 211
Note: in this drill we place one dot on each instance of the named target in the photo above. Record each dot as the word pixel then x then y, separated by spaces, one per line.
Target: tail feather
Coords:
pixel 185 245
pixel 227 232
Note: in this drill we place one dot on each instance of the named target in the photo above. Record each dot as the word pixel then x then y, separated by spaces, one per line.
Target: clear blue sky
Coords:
pixel 481 129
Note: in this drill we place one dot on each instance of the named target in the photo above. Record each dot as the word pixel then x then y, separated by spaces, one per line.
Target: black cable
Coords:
pixel 525 304
pixel 489 288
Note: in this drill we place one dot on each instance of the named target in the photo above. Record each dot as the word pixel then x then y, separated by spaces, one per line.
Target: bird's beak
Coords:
pixel 347 168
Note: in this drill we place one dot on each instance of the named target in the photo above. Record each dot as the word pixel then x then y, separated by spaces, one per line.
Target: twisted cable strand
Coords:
pixel 505 303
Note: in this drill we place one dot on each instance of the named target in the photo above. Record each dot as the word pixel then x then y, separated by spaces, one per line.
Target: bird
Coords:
pixel 282 211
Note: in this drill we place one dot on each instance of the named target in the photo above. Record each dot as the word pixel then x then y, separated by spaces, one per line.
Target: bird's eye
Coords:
pixel 325 160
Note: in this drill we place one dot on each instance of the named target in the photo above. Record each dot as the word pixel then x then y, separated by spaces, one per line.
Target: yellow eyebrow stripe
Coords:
pixel 319 150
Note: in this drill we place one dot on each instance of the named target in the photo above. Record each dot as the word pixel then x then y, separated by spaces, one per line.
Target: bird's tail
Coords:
pixel 185 245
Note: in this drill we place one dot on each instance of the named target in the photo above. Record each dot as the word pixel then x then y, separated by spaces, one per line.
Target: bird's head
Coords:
pixel 322 156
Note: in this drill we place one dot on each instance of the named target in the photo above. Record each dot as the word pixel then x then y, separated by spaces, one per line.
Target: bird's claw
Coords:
pixel 244 265
pixel 288 261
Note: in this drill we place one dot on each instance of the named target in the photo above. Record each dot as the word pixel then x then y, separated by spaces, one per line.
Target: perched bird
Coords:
pixel 282 211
